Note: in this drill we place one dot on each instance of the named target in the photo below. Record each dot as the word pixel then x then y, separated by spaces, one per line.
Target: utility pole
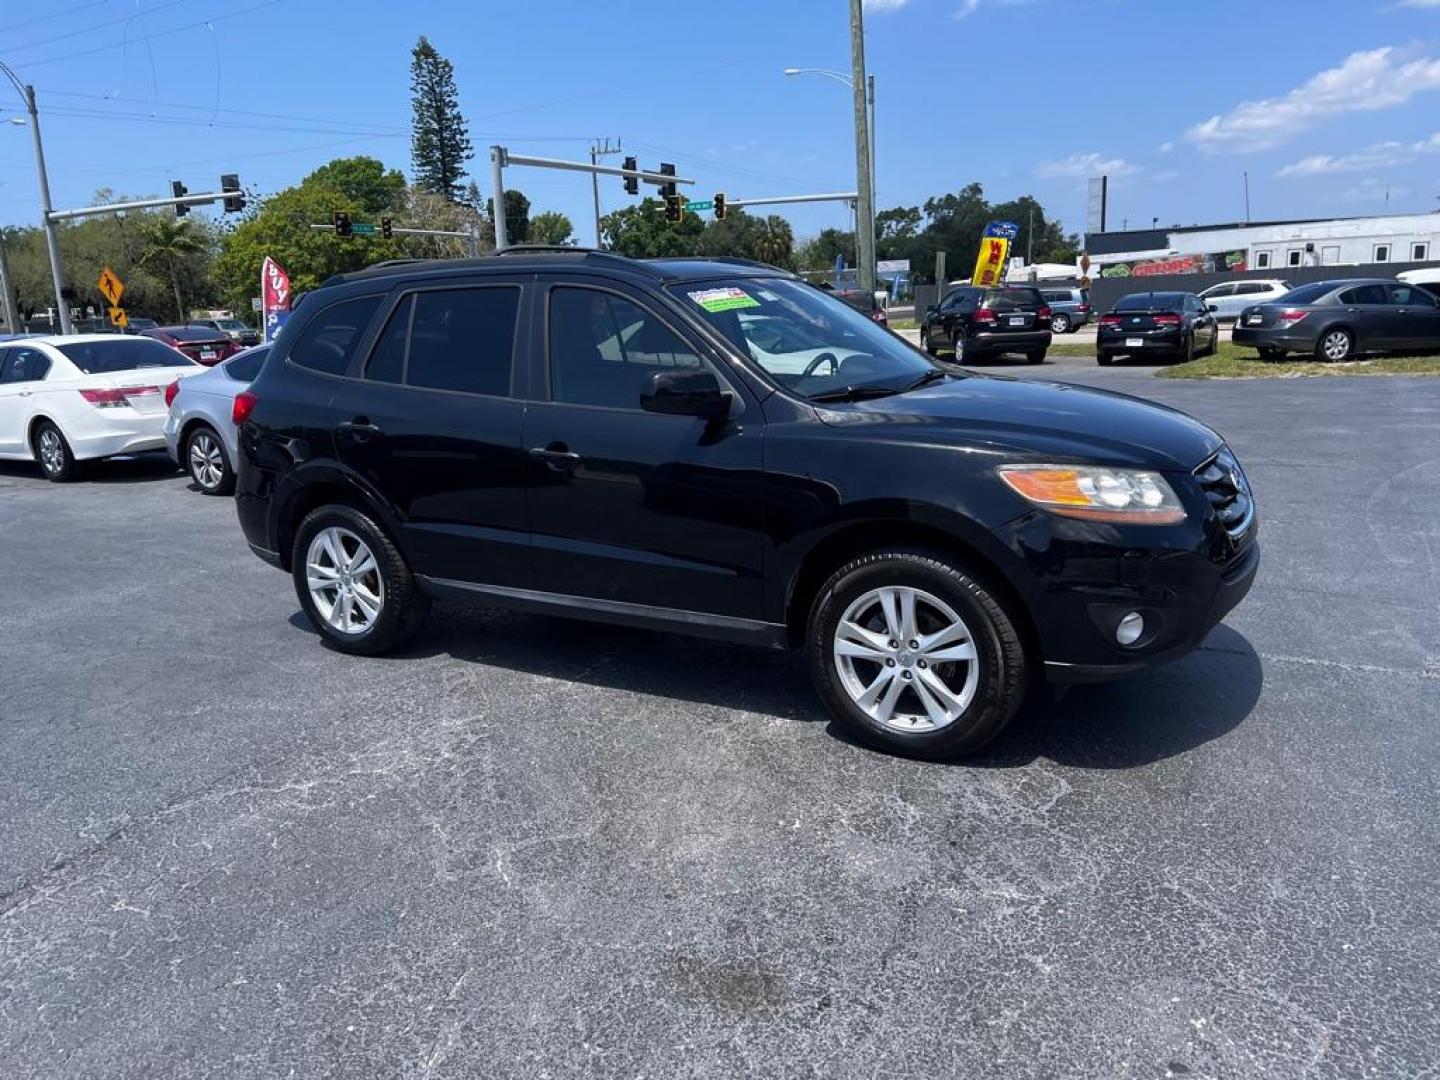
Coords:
pixel 1030 239
pixel 865 204
pixel 497 204
pixel 596 153
pixel 1246 174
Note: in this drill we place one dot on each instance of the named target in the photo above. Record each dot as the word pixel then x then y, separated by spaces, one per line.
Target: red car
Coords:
pixel 199 343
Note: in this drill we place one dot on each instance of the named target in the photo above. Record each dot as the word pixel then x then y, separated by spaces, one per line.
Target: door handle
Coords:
pixel 24 393
pixel 360 429
pixel 557 456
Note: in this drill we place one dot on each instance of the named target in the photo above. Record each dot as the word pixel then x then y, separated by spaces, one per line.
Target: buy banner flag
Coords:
pixel 994 249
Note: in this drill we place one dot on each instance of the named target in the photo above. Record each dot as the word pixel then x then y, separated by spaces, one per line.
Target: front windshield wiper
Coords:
pixel 933 375
pixel 855 393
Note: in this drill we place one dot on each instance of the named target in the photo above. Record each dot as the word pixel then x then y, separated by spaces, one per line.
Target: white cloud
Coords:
pixel 1419 3
pixel 1083 166
pixel 885 5
pixel 1364 82
pixel 1166 147
pixel 969 7
pixel 1381 155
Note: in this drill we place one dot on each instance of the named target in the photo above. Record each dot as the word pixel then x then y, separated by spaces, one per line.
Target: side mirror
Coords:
pixel 1212 307
pixel 931 309
pixel 685 392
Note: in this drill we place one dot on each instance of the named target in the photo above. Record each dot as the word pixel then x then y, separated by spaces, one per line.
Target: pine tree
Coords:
pixel 440 138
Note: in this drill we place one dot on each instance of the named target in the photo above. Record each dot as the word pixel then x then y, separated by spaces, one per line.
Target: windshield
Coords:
pixel 122 354
pixel 804 339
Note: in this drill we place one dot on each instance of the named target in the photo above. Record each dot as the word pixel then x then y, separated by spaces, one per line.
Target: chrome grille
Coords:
pixel 1224 484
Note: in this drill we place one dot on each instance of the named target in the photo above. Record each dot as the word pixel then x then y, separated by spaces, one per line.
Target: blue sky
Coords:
pixel 1325 102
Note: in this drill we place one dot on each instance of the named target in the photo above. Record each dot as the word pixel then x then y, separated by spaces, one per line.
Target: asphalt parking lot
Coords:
pixel 529 847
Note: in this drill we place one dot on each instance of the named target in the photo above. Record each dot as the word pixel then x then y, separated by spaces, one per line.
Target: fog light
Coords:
pixel 1130 628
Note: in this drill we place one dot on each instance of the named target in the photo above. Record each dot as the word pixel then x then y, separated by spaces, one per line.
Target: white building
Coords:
pixel 1266 245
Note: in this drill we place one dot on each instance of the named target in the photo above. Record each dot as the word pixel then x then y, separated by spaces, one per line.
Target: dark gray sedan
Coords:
pixel 1336 320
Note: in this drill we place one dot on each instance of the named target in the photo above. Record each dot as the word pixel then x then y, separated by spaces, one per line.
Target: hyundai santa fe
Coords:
pixel 716 448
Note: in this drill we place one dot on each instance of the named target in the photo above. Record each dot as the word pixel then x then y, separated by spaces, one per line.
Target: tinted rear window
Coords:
pixel 1160 301
pixel 463 339
pixel 122 354
pixel 328 342
pixel 194 333
pixel 1013 299
pixel 1308 294
pixel 246 366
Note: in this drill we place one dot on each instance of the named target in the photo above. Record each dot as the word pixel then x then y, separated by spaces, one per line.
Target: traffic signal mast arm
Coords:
pixel 140 204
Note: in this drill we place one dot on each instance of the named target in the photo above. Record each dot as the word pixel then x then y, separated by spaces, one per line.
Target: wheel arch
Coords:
pixel 32 431
pixel 330 486
pixel 859 537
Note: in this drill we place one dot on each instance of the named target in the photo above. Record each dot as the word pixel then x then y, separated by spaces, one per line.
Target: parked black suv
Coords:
pixel 717 448
pixel 975 323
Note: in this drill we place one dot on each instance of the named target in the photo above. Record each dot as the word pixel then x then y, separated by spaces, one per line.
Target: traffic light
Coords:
pixel 674 208
pixel 719 206
pixel 386 230
pixel 177 189
pixel 632 183
pixel 667 169
pixel 341 221
pixel 234 200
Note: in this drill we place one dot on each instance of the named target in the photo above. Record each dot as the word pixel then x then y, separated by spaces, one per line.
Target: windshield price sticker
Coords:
pixel 727 299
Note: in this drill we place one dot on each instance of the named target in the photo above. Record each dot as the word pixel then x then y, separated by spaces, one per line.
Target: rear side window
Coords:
pixel 1308 294
pixel 1057 297
pixel 450 339
pixel 1410 294
pixel 329 342
pixel 1365 294
pixel 23 365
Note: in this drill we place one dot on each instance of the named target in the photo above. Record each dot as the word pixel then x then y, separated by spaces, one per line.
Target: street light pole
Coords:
pixel 52 241
pixel 865 209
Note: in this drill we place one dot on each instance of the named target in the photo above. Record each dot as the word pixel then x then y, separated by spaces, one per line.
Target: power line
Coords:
pixel 54 15
pixel 147 37
pixel 210 109
pixel 90 28
pixel 721 165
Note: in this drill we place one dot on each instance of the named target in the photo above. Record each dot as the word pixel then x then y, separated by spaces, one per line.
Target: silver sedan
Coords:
pixel 199 432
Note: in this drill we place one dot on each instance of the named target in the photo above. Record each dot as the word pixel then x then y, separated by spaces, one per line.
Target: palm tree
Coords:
pixel 168 243
pixel 775 243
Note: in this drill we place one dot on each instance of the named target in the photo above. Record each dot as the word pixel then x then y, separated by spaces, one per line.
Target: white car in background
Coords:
pixel 69 399
pixel 1427 278
pixel 1233 297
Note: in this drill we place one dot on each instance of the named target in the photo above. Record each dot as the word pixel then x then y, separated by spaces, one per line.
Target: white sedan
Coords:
pixel 70 399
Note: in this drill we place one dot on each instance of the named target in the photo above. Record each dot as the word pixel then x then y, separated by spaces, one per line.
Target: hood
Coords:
pixel 1038 419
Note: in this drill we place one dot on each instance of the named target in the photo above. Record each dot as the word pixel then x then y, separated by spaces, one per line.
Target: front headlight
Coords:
pixel 1120 496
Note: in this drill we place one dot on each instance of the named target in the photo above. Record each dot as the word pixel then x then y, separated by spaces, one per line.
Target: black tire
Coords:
pixel 203 445
pixel 925 341
pixel 1269 352
pixel 1104 359
pixel 959 348
pixel 1337 333
pixel 1000 654
pixel 52 453
pixel 1035 356
pixel 403 607
pixel 1214 346
pixel 1060 324
pixel 1187 350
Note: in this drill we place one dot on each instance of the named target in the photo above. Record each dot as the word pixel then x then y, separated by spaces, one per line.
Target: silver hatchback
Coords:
pixel 199 432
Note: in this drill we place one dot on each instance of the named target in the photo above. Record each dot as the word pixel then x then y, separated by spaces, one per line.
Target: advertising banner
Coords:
pixel 274 297
pixel 994 250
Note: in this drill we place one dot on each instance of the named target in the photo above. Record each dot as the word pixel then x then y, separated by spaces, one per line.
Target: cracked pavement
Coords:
pixel 535 848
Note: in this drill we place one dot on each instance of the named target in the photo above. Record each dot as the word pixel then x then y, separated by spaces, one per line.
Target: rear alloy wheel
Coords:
pixel 205 460
pixel 353 582
pixel 914 656
pixel 1060 324
pixel 1334 346
pixel 53 453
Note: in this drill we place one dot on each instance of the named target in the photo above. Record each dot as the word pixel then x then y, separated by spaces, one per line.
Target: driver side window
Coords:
pixel 603 348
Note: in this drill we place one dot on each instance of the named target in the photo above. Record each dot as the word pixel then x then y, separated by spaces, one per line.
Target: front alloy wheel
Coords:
pixel 914 655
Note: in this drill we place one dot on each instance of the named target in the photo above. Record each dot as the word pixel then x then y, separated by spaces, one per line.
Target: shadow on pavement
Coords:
pixel 1119 725
pixel 138 468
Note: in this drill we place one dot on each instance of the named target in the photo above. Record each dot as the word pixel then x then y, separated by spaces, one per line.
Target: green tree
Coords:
pixel 776 243
pixel 364 181
pixel 517 215
pixel 168 243
pixel 819 253
pixel 280 227
pixel 440 138
pixel 896 230
pixel 641 232
pixel 551 227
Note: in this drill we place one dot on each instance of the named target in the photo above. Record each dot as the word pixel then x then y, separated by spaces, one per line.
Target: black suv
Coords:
pixel 717 448
pixel 975 323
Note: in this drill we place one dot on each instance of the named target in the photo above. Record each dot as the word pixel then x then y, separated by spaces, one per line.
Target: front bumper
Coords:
pixel 1084 577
